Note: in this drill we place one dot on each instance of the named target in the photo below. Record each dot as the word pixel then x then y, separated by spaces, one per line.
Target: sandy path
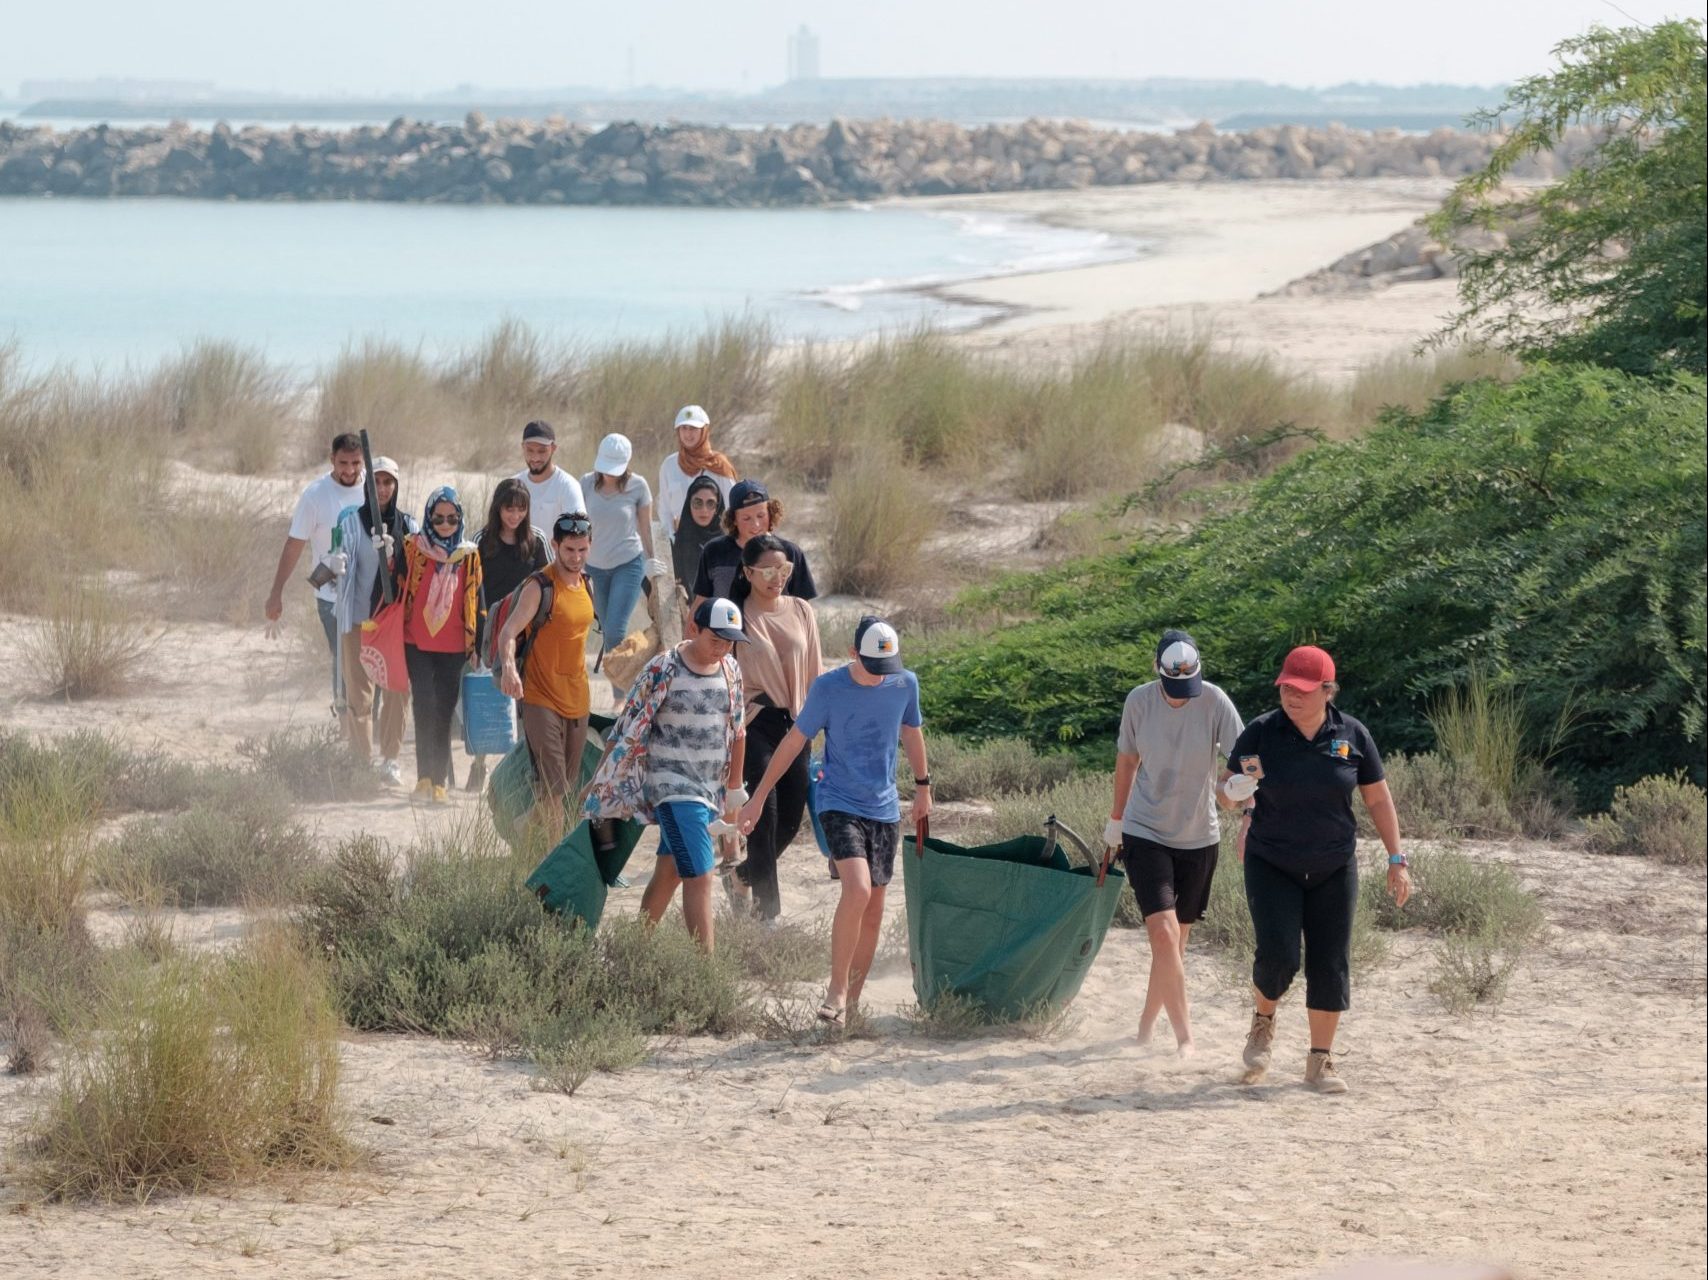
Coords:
pixel 1546 1135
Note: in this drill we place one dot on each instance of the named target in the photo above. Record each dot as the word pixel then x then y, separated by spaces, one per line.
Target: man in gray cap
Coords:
pixel 1175 732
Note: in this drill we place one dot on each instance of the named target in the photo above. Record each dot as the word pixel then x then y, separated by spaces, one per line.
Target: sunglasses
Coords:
pixel 449 522
pixel 1179 670
pixel 710 504
pixel 573 526
pixel 772 573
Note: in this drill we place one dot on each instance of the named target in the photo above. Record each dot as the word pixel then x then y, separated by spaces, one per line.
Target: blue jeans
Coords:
pixel 329 624
pixel 616 592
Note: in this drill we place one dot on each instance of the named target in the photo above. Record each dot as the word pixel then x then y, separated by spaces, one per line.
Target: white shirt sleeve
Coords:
pixel 573 498
pixel 306 515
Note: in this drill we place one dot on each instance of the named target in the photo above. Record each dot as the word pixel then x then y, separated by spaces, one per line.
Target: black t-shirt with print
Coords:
pixel 721 559
pixel 1303 819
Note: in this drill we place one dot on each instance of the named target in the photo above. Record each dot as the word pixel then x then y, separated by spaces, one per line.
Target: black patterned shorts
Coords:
pixel 851 836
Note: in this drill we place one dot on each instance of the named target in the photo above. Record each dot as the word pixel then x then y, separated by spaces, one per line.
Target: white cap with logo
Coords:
pixel 692 416
pixel 878 646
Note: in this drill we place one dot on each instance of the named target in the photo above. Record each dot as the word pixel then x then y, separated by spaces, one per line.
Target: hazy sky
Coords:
pixel 367 46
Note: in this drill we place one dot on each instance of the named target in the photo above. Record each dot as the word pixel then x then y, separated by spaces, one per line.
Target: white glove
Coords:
pixel 336 561
pixel 1112 834
pixel 718 827
pixel 734 798
pixel 655 568
pixel 382 544
pixel 1240 786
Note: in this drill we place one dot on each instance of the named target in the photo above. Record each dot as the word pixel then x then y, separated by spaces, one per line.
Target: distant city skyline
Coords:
pixel 363 48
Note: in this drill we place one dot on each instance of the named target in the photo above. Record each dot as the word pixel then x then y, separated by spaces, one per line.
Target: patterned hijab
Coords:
pixel 445 544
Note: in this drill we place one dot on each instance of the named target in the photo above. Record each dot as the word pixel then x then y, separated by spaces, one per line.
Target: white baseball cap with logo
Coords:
pixel 722 619
pixel 692 416
pixel 878 646
pixel 614 454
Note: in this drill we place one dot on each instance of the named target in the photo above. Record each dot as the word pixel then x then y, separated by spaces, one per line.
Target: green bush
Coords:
pixel 1665 818
pixel 454 945
pixel 964 770
pixel 1436 797
pixel 314 764
pixel 1512 527
pixel 204 1071
pixel 241 847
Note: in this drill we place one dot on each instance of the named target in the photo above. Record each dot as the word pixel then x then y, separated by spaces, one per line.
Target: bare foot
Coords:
pixel 1145 1034
pixel 1185 1050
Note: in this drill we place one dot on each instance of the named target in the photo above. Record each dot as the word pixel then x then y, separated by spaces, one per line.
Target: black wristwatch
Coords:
pixel 922 782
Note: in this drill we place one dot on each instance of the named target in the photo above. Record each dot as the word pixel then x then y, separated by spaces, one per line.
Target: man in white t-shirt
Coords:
pixel 552 491
pixel 312 523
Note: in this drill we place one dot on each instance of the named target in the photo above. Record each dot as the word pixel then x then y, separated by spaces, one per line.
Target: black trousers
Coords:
pixel 780 816
pixel 435 682
pixel 1285 907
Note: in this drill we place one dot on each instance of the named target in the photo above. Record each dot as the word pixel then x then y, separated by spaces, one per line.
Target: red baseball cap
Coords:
pixel 1307 668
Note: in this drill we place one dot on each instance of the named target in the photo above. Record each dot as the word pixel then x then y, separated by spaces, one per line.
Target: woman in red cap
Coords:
pixel 1294 770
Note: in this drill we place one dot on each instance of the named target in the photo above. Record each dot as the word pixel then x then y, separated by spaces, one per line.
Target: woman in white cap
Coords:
pixel 694 457
pixel 361 540
pixel 619 504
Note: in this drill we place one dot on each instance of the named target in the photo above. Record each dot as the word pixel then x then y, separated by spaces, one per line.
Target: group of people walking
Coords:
pixel 714 735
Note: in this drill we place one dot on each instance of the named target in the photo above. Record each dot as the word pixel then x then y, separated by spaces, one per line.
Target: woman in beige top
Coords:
pixel 778 666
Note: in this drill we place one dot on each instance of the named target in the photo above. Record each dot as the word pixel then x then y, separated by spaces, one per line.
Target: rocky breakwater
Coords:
pixel 555 162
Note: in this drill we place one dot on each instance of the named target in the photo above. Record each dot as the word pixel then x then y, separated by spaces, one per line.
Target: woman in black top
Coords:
pixel 510 549
pixel 1296 768
pixel 752 511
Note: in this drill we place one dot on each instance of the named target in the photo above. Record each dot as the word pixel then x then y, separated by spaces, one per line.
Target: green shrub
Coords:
pixel 1456 894
pixel 1511 526
pixel 1487 920
pixel 964 770
pixel 313 764
pixel 1665 818
pixel 239 848
pixel 48 961
pixel 1472 970
pixel 454 945
pixel 205 1072
pixel 1436 797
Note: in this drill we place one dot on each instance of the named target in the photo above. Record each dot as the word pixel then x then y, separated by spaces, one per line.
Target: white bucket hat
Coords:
pixel 613 456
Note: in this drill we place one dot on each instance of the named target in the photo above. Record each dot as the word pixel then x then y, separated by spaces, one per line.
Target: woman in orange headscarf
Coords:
pixel 694 457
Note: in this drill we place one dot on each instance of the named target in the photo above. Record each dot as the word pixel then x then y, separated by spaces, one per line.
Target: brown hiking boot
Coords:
pixel 1259 1040
pixel 1320 1073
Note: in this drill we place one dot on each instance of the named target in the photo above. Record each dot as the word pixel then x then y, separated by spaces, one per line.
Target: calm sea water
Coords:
pixel 114 282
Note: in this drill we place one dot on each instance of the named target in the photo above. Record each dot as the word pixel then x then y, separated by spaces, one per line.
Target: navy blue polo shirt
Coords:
pixel 1303 819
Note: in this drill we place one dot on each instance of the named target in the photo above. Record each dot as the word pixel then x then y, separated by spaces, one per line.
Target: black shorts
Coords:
pixel 1165 879
pixel 851 836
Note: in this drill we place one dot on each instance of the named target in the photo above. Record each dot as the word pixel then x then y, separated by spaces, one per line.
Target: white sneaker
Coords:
pixel 391 773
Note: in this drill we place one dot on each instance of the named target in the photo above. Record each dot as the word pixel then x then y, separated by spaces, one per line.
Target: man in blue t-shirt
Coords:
pixel 864 709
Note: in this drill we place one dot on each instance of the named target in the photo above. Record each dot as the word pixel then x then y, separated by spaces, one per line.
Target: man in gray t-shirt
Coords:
pixel 1175 734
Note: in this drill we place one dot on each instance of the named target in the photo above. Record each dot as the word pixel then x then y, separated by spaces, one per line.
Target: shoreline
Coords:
pixel 1205 256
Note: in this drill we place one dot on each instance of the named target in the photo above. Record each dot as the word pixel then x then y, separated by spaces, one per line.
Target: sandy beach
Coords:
pixel 1207 255
pixel 1560 1135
